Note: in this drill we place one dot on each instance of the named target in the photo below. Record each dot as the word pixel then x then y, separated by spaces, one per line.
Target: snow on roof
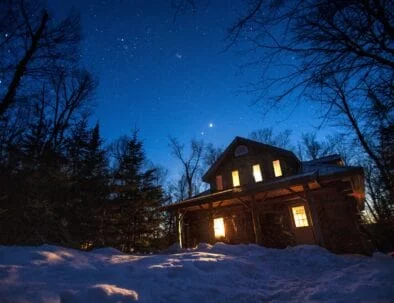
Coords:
pixel 218 273
pixel 326 169
pixel 325 159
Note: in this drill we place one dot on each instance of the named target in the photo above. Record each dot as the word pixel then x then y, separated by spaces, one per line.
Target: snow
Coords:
pixel 218 273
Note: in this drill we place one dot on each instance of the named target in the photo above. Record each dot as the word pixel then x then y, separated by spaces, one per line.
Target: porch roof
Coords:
pixel 280 187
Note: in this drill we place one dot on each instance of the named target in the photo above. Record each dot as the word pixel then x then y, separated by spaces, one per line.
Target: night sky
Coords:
pixel 167 78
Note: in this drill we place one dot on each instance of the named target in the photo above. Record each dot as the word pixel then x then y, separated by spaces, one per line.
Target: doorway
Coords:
pixel 302 223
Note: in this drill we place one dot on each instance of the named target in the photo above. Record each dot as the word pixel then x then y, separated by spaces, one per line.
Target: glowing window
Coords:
pixel 299 216
pixel 235 178
pixel 218 226
pixel 277 168
pixel 257 173
pixel 219 182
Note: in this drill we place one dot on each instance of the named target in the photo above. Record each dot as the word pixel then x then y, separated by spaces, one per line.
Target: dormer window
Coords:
pixel 257 173
pixel 277 168
pixel 235 175
pixel 219 182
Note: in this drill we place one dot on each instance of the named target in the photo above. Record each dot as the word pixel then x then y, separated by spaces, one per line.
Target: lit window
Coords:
pixel 277 168
pixel 257 173
pixel 219 183
pixel 299 216
pixel 218 226
pixel 236 178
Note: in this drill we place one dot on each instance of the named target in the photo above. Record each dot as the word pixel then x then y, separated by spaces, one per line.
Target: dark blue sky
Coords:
pixel 167 78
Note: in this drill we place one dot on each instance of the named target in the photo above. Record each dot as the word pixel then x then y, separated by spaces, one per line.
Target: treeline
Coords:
pixel 58 182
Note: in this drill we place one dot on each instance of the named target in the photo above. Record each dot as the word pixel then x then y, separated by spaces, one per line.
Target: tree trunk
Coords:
pixel 22 65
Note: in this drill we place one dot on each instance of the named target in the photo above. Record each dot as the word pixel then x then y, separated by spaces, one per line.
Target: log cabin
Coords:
pixel 264 194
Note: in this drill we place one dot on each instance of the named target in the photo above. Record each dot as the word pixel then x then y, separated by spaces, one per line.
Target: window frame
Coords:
pixel 259 172
pixel 222 233
pixel 307 215
pixel 278 168
pixel 237 177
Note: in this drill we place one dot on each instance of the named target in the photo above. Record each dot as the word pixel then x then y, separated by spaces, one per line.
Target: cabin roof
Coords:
pixel 238 141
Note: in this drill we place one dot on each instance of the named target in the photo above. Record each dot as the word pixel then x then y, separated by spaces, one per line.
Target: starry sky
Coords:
pixel 169 78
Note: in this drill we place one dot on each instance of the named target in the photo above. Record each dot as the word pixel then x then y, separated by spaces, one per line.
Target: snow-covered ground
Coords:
pixel 219 273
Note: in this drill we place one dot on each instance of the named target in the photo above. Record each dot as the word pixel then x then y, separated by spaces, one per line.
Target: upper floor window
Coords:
pixel 277 168
pixel 235 178
pixel 257 173
pixel 219 182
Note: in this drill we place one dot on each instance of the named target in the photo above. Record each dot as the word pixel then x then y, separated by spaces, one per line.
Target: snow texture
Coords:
pixel 218 273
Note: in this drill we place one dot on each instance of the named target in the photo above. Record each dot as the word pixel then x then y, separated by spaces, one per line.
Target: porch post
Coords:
pixel 315 217
pixel 211 231
pixel 256 221
pixel 179 219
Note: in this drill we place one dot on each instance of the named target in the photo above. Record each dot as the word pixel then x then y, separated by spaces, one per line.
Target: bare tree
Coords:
pixel 339 53
pixel 37 45
pixel 191 164
pixel 59 105
pixel 268 136
pixel 313 148
pixel 211 155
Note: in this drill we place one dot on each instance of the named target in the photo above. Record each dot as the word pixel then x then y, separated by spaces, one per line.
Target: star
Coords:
pixel 210 125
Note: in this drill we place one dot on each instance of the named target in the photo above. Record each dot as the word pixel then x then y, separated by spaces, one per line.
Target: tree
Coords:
pixel 43 112
pixel 136 192
pixel 38 46
pixel 191 164
pixel 312 148
pixel 211 155
pixel 267 136
pixel 339 53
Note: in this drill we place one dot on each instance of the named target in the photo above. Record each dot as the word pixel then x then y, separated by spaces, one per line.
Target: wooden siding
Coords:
pixel 244 164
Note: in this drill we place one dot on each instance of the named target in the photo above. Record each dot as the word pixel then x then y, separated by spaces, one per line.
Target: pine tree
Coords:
pixel 88 175
pixel 137 196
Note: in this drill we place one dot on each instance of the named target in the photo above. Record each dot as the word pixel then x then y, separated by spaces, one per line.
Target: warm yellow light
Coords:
pixel 257 173
pixel 218 226
pixel 277 168
pixel 299 215
pixel 235 178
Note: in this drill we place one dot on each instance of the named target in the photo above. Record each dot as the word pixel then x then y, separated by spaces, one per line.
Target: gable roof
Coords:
pixel 238 141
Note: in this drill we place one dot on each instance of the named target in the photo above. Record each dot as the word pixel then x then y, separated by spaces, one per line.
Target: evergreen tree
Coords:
pixel 138 196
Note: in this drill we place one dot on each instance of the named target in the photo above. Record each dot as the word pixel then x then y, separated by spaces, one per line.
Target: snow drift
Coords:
pixel 218 273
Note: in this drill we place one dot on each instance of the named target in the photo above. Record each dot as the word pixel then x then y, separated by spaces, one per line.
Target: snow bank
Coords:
pixel 218 273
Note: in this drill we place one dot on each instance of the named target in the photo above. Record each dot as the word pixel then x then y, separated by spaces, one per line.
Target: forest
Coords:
pixel 62 183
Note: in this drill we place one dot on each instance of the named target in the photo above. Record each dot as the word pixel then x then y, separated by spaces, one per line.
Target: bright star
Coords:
pixel 210 125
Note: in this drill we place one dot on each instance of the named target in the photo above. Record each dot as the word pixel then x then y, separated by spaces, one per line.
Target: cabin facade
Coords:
pixel 265 195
